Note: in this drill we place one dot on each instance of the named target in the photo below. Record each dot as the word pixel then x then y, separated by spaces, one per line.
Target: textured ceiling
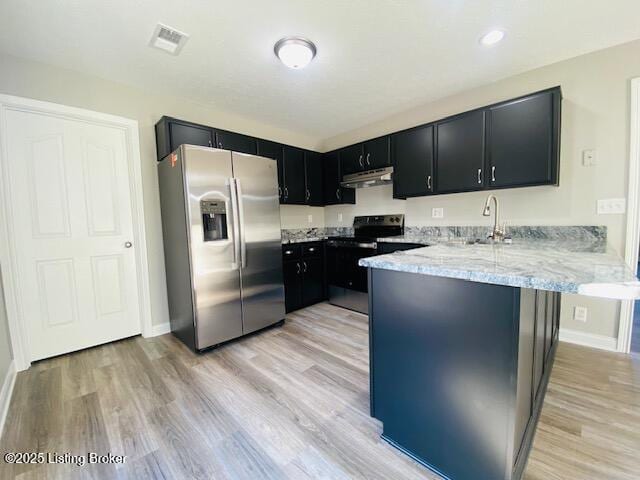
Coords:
pixel 375 57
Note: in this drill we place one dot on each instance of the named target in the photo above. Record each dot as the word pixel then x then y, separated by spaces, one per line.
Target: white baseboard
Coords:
pixel 5 393
pixel 589 339
pixel 160 329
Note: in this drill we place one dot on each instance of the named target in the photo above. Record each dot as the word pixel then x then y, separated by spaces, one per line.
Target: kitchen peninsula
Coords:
pixel 462 342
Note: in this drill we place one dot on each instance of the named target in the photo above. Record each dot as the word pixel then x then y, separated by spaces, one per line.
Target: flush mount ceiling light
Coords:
pixel 295 52
pixel 491 38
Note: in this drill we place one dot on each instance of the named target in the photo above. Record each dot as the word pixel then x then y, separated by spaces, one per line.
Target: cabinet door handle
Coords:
pixel 493 173
pixel 429 182
pixel 338 193
pixel 307 195
pixel 480 176
pixel 286 193
pixel 220 144
pixel 360 161
pixel 298 268
pixel 210 143
pixel 288 252
pixel 367 160
pixel 279 192
pixel 312 249
pixel 305 267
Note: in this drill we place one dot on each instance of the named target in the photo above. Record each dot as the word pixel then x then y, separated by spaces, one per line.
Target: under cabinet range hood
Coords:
pixel 370 178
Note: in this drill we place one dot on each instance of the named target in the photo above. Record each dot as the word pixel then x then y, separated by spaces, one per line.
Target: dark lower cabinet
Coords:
pixel 294 186
pixel 292 285
pixel 304 274
pixel 412 157
pixel 313 179
pixel 334 194
pixel 522 145
pixel 235 142
pixel 460 153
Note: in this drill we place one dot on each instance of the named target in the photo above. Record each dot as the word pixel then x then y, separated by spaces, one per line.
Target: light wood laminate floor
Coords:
pixel 291 402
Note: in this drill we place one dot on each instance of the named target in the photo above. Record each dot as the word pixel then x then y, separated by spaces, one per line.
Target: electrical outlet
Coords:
pixel 589 158
pixel 340 218
pixel 611 206
pixel 580 314
pixel 437 213
pixel 310 219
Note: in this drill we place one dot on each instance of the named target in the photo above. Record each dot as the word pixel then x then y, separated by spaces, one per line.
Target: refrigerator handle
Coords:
pixel 236 221
pixel 243 242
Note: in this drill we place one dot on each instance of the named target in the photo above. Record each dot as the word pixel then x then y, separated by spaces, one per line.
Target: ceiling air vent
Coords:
pixel 168 39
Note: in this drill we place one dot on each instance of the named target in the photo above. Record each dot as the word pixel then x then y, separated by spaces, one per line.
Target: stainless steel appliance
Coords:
pixel 221 228
pixel 370 178
pixel 347 281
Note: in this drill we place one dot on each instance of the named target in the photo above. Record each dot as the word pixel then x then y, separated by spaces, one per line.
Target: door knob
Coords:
pixel 128 244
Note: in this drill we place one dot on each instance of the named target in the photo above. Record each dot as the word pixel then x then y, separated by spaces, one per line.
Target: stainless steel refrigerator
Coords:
pixel 223 258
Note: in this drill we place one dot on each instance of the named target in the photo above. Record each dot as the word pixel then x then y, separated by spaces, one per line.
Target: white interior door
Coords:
pixel 71 224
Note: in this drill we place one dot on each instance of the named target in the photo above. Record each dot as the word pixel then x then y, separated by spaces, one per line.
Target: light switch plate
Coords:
pixel 589 158
pixel 580 314
pixel 437 213
pixel 611 206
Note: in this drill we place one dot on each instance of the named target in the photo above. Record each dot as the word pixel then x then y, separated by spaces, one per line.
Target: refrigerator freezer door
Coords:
pixel 261 250
pixel 213 235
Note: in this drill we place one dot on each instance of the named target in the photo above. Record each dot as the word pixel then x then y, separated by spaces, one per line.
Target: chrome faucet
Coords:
pixel 498 234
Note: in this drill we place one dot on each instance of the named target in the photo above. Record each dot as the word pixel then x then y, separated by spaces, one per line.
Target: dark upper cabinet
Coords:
pixel 268 149
pixel 171 133
pixel 235 142
pixel 313 178
pixel 334 194
pixel 412 156
pixel 522 139
pixel 294 190
pixel 460 153
pixel 377 153
pixel 352 159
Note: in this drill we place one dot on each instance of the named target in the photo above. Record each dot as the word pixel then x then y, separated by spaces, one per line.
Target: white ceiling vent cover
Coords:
pixel 168 39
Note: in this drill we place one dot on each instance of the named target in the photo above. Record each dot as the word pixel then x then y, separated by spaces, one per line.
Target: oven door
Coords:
pixel 343 269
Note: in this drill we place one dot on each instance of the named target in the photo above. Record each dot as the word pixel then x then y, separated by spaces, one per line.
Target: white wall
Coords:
pixel 5 345
pixel 43 82
pixel 595 115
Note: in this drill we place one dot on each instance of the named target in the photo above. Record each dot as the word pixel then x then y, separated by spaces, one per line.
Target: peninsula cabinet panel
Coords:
pixel 235 142
pixel 294 179
pixel 334 194
pixel 523 141
pixel 268 149
pixel 313 179
pixel 412 156
pixel 460 153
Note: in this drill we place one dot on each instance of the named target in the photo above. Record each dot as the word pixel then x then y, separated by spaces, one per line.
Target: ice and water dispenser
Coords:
pixel 214 220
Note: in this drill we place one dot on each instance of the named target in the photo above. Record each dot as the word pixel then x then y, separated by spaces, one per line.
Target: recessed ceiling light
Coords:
pixel 491 38
pixel 295 52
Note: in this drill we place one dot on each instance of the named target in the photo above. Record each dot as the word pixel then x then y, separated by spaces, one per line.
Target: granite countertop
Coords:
pixel 311 238
pixel 581 267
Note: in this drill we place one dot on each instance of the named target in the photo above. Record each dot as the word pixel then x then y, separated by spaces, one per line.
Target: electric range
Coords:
pixel 347 281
